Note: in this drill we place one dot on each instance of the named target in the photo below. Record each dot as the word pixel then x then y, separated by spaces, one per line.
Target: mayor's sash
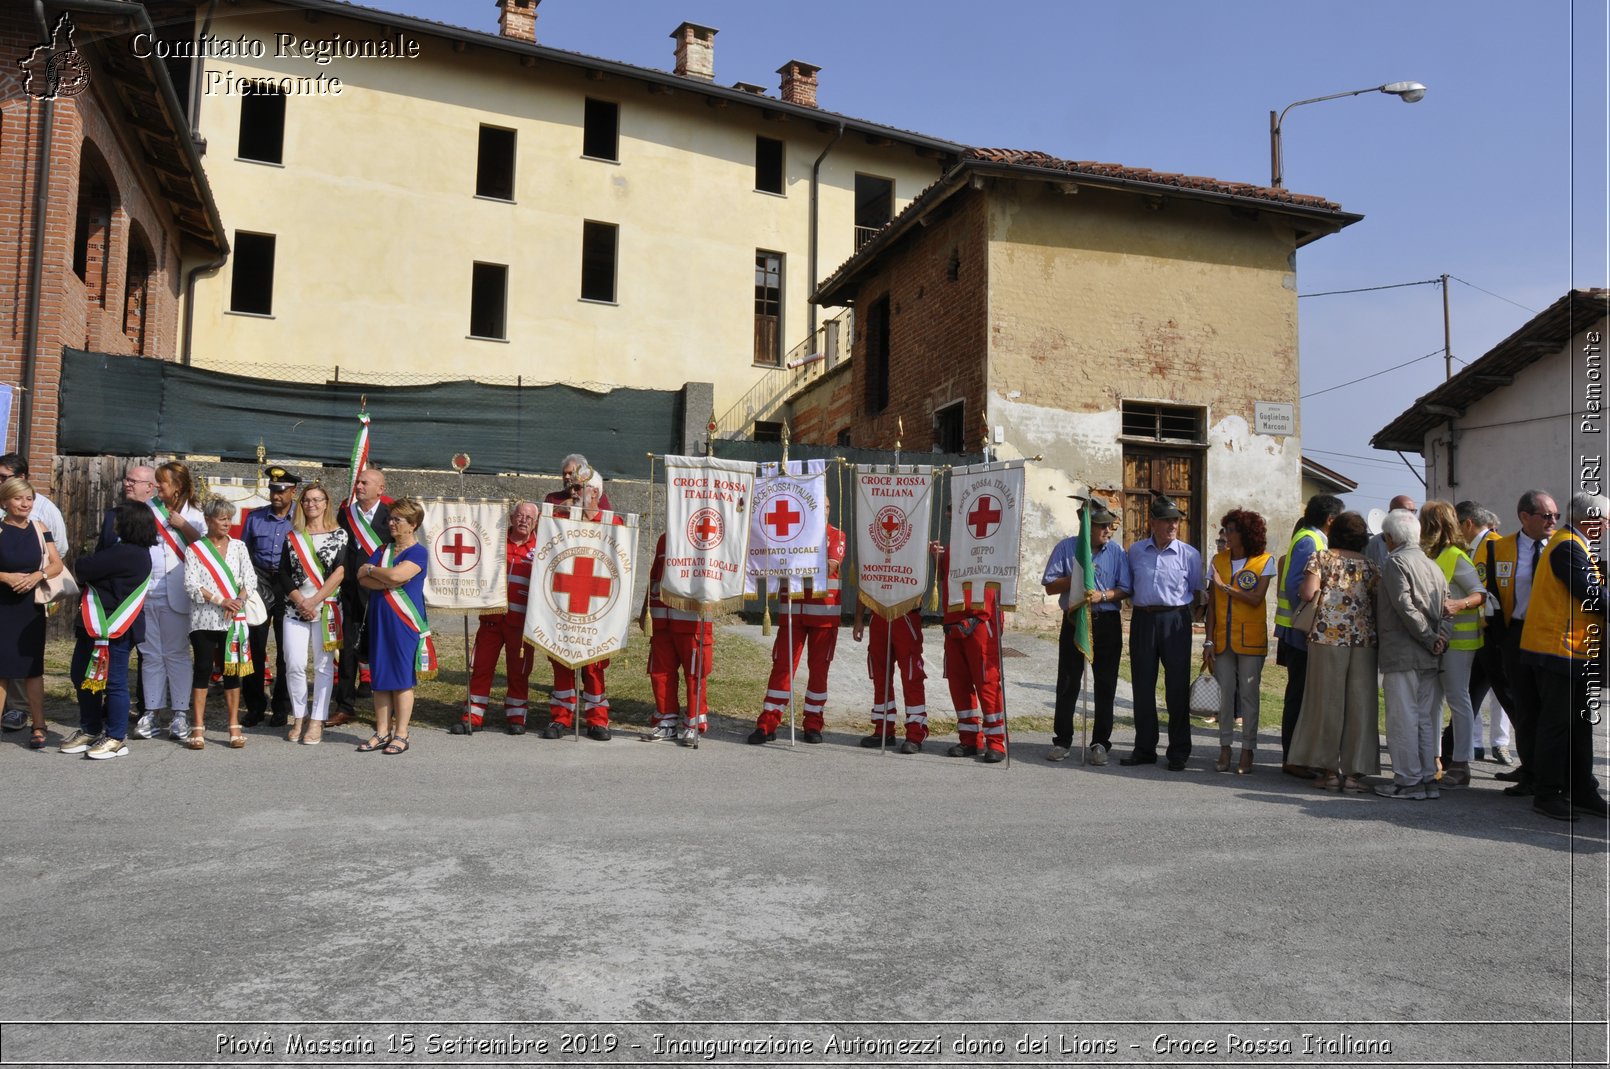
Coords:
pixel 580 606
pixel 413 618
pixel 237 637
pixel 986 529
pixel 893 506
pixel 788 528
pixel 330 609
pixel 103 627
pixel 706 532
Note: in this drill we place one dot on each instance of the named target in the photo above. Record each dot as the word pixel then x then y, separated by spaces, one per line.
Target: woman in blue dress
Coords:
pixel 400 647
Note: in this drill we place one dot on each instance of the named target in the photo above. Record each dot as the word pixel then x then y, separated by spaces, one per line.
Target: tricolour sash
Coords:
pixel 368 541
pixel 103 629
pixel 330 608
pixel 237 638
pixel 414 620
pixel 172 538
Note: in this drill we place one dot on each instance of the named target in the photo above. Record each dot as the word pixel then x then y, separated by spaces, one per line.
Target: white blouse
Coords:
pixel 203 589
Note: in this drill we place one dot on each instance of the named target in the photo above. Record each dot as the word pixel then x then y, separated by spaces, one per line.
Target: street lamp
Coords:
pixel 1408 92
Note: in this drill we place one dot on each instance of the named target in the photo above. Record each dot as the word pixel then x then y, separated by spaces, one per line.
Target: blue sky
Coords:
pixel 1497 177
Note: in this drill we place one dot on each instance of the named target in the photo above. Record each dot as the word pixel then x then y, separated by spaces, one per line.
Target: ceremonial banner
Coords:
pixel 468 542
pixel 892 510
pixel 581 587
pixel 986 529
pixel 788 527
pixel 707 504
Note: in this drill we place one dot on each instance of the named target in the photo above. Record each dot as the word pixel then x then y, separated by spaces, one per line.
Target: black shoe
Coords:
pixel 516 727
pixel 598 734
pixel 811 736
pixel 1519 790
pixel 461 727
pixel 962 749
pixel 1136 759
pixel 251 720
pixel 277 720
pixel 909 747
pixel 1593 804
pixel 1553 805
pixel 992 757
pixel 1512 776
pixel 1481 753
pixel 1174 766
pixel 758 737
pixel 553 731
pixel 876 742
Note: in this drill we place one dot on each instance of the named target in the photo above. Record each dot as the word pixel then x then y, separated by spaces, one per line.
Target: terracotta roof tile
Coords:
pixel 1045 161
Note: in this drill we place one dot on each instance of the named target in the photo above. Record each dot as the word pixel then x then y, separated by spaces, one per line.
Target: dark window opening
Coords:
pixel 877 351
pixel 953 267
pixel 950 428
pixel 251 288
pixel 1163 423
pixel 92 232
pixel 768 165
pixel 768 307
pixel 844 437
pixel 598 255
pixel 874 206
pixel 136 290
pixel 767 430
pixel 494 164
pixel 601 131
pixel 489 297
pixel 262 124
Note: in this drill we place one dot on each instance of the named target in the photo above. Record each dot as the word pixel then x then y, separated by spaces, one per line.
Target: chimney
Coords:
pixel 695 51
pixel 517 19
pixel 799 82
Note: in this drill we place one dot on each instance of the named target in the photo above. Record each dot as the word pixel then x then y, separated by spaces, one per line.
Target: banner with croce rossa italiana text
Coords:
pixel 986 532
pixel 468 542
pixel 788 527
pixel 707 504
pixel 580 606
pixel 892 520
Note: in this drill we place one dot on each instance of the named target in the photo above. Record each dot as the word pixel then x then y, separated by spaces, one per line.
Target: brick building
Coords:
pixel 103 203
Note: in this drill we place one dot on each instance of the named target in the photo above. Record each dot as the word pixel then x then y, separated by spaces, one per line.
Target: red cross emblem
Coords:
pixel 782 518
pixel 579 586
pixel 984 518
pixel 705 529
pixel 890 528
pixel 456 551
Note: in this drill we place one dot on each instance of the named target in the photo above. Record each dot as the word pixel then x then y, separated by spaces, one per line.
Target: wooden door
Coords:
pixel 1149 472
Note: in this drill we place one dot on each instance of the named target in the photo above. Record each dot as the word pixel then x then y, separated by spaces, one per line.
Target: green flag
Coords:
pixel 1081 617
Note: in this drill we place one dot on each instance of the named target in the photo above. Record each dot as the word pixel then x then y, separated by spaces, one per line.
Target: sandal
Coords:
pixel 295 732
pixel 314 733
pixel 399 744
pixel 237 738
pixel 197 739
pixel 1328 781
pixel 36 740
pixel 1355 785
pixel 376 742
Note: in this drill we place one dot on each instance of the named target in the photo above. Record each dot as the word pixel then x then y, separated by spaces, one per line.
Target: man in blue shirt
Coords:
pixel 1291 651
pixel 1111 567
pixel 1167 578
pixel 264 533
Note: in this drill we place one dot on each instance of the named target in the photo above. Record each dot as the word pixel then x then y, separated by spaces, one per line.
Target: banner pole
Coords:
pixel 469 669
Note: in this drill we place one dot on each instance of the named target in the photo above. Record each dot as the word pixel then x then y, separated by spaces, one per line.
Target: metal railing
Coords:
pixel 818 354
pixel 863 234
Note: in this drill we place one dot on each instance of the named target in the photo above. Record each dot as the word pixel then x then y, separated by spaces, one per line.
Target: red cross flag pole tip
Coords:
pixel 461 462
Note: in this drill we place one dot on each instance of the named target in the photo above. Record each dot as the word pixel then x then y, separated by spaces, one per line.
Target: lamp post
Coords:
pixel 1408 92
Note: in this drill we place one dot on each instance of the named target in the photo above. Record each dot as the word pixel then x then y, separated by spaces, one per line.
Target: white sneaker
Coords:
pixel 1098 754
pixel 145 727
pixel 79 741
pixel 179 727
pixel 663 733
pixel 689 737
pixel 1058 753
pixel 107 747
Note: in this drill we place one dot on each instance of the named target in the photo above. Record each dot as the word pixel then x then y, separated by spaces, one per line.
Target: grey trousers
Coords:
pixel 1239 675
pixel 1413 724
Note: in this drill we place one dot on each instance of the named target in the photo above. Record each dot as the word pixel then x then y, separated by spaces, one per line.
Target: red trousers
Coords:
pixel 674 654
pixel 499 634
pixel 793 637
pixel 891 646
pixel 973 667
pixel 594 702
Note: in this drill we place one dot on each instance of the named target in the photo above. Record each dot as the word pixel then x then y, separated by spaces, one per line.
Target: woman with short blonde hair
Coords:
pixel 28 557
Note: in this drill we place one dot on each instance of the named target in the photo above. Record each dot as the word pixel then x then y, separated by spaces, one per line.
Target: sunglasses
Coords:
pixel 1554 516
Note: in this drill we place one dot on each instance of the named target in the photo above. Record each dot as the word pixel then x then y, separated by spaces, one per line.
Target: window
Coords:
pixel 767 430
pixel 92 232
pixel 874 206
pixel 950 428
pixel 136 288
pixel 598 250
pixel 877 351
pixel 489 297
pixel 1163 423
pixel 494 164
pixel 768 165
pixel 251 288
pixel 768 307
pixel 262 123
pixel 601 134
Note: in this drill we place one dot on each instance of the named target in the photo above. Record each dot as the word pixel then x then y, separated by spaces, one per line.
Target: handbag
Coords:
pixel 1205 694
pixel 51 590
pixel 1307 614
pixel 256 611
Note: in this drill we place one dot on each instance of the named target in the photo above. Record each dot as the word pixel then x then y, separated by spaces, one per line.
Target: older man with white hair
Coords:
pixel 1409 603
pixel 1563 643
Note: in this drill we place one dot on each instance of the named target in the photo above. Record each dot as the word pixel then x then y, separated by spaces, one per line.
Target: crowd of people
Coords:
pixel 1436 610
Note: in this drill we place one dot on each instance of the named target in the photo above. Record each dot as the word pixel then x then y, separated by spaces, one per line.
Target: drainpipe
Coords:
pixel 815 198
pixel 36 266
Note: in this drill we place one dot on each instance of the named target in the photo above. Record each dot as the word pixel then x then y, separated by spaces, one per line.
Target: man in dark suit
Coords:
pixel 366 519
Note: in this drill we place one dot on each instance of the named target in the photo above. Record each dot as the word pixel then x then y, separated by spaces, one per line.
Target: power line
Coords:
pixel 1490 293
pixel 1352 456
pixel 1378 374
pixel 1372 289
